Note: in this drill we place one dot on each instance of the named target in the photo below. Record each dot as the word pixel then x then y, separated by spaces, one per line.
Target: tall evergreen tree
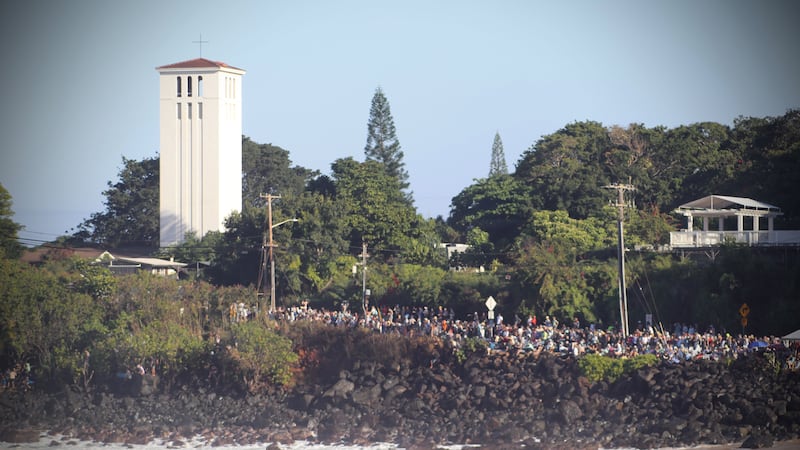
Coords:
pixel 382 144
pixel 498 165
pixel 131 217
pixel 9 245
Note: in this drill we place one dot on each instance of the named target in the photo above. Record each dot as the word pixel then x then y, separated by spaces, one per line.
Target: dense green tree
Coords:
pixel 375 209
pixel 266 168
pixel 577 237
pixel 768 164
pixel 318 240
pixel 445 231
pixel 498 205
pixel 131 217
pixel 498 164
pixel 566 171
pixel 632 158
pixel 382 143
pixel 9 239
pixel 693 161
pixel 408 284
pixel 552 263
pixel 43 322
pixel 423 245
pixel 237 253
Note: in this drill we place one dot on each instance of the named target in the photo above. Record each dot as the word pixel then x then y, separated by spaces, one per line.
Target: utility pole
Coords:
pixel 364 290
pixel 623 296
pixel 267 254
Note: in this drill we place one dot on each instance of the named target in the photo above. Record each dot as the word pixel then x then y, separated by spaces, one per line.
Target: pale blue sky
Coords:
pixel 79 88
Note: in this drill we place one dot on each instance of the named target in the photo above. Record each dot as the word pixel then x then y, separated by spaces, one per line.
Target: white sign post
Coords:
pixel 490 304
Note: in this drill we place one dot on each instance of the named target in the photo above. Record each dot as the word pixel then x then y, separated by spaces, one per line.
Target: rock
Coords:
pixel 569 411
pixel 19 436
pixel 758 440
pixel 341 388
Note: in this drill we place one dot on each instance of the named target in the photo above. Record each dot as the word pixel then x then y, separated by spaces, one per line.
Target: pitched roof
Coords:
pixel 794 336
pixel 40 254
pixel 152 262
pixel 716 202
pixel 198 63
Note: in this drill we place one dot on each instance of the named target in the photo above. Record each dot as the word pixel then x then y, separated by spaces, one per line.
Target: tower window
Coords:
pixel 179 110
pixel 200 86
pixel 199 110
pixel 188 86
pixel 189 111
pixel 179 86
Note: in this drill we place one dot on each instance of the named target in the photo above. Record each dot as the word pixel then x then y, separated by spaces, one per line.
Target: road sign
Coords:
pixel 744 310
pixel 490 303
pixel 490 315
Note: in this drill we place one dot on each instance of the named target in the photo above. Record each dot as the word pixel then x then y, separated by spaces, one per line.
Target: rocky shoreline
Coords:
pixel 500 400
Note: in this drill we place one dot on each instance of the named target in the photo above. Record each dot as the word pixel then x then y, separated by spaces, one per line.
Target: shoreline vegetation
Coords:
pixel 356 386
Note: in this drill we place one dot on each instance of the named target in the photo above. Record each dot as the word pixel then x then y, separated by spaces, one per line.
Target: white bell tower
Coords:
pixel 201 147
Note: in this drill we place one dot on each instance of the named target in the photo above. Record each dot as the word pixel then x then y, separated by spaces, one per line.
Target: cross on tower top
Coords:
pixel 201 42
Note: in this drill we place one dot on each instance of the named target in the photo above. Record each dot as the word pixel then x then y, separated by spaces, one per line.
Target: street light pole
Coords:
pixel 267 251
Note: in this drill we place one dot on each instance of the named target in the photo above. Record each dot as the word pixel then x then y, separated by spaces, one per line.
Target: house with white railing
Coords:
pixel 715 210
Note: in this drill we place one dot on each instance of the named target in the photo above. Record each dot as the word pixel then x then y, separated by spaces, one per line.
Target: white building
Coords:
pixel 200 147
pixel 749 215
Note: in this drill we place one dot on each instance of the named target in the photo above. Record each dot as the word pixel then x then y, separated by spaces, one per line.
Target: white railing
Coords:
pixel 694 239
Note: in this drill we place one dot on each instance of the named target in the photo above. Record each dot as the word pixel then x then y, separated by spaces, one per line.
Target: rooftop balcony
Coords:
pixel 701 239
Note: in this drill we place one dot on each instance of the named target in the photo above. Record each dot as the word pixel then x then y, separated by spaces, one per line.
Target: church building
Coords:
pixel 200 147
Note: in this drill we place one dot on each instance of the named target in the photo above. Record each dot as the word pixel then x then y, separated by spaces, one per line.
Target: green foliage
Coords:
pixel 566 170
pixel 706 292
pixel 382 143
pixel 9 244
pixel 598 367
pixel 266 168
pixel 498 205
pixel 93 279
pixel 319 239
pixel 237 254
pixel 44 322
pixel 192 249
pixel 166 345
pixel 131 216
pixel 573 236
pixel 411 284
pixel 375 208
pixel 262 356
pixel 498 164
pixel 552 262
pixel 469 346
pixel 648 228
pixel 466 292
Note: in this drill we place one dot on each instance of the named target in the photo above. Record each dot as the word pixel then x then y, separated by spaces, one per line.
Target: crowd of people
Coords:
pixel 681 342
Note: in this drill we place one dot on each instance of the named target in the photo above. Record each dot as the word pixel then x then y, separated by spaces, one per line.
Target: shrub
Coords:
pixel 639 361
pixel 262 356
pixel 598 367
pixel 470 346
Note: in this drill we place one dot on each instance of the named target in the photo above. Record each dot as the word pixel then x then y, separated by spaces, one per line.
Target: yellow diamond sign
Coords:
pixel 744 310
